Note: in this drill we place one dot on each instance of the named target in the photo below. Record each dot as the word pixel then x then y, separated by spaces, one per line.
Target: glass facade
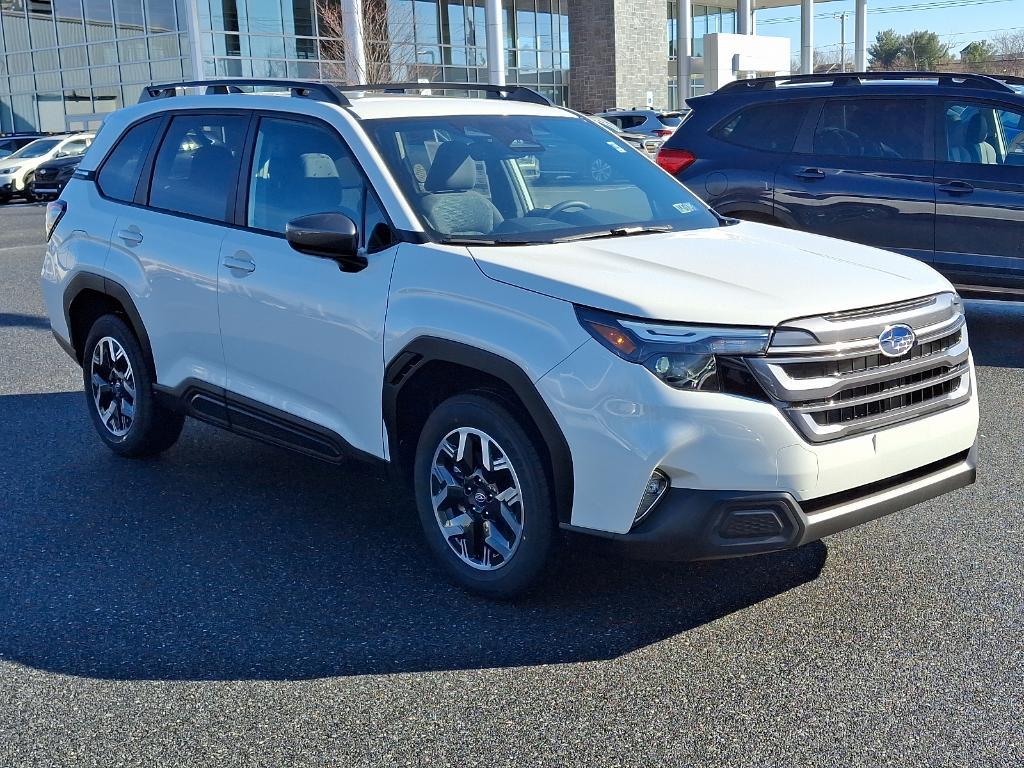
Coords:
pixel 66 62
pixel 408 40
pixel 63 63
pixel 707 20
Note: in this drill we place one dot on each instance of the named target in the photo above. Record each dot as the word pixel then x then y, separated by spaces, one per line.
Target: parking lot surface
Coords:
pixel 234 604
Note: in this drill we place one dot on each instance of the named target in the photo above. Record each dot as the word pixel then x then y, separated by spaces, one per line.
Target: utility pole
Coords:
pixel 842 39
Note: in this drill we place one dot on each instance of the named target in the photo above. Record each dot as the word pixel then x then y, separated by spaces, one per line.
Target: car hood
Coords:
pixel 744 274
pixel 61 162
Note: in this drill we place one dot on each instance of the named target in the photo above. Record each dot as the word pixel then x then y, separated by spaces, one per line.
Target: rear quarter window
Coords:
pixel 767 127
pixel 120 172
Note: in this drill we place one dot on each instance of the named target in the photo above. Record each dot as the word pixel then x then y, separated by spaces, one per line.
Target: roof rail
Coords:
pixel 509 92
pixel 298 88
pixel 335 94
pixel 967 80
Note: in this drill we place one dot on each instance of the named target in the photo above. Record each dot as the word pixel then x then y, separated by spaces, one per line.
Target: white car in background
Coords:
pixel 17 170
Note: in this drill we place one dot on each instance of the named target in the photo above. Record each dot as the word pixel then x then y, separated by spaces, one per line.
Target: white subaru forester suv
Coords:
pixel 345 272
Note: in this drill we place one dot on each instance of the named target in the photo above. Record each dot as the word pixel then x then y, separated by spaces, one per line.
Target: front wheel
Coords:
pixel 119 393
pixel 30 188
pixel 483 496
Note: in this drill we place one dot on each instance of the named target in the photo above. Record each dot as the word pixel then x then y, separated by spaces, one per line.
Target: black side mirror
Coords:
pixel 329 236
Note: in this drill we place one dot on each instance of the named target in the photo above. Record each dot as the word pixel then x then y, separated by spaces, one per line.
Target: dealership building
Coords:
pixel 65 63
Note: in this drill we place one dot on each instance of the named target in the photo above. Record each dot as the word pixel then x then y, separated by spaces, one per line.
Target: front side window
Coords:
pixel 197 164
pixel 885 129
pixel 120 172
pixel 525 179
pixel 983 134
pixel 301 168
pixel 767 127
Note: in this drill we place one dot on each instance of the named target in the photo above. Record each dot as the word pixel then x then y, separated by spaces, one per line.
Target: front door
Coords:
pixel 864 174
pixel 980 203
pixel 302 337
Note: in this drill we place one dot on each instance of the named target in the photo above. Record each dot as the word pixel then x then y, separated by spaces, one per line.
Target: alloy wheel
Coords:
pixel 477 499
pixel 113 386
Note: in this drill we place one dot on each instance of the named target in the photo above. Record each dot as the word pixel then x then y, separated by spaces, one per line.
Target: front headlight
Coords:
pixel 12 169
pixel 692 357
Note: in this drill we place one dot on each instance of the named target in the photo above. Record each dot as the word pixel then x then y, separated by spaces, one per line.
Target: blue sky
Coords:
pixel 957 24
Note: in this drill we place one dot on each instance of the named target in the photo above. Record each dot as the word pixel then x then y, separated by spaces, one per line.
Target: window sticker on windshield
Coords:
pixel 684 207
pixel 616 147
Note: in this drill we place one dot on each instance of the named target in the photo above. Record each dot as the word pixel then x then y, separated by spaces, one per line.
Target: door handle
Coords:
pixel 957 188
pixel 240 262
pixel 810 173
pixel 131 237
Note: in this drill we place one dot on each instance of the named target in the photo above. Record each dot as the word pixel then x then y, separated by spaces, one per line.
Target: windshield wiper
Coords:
pixel 614 232
pixel 484 241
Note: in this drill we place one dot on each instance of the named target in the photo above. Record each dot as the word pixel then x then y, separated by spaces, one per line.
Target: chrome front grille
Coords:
pixel 828 375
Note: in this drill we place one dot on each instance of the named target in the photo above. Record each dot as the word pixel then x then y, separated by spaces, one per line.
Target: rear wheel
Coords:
pixel 483 496
pixel 119 393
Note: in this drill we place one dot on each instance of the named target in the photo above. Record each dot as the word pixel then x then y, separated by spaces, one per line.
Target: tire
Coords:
pixel 483 552
pixel 149 428
pixel 30 188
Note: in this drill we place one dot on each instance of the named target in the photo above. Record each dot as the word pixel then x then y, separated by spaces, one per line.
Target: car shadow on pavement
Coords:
pixel 997 332
pixel 226 560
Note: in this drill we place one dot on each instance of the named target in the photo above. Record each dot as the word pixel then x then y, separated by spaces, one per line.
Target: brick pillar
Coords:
pixel 618 53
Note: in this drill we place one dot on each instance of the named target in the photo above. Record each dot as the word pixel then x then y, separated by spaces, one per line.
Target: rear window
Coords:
pixel 120 171
pixel 768 127
pixel 670 120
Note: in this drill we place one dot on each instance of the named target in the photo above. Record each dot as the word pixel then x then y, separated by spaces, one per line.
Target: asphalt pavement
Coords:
pixel 232 604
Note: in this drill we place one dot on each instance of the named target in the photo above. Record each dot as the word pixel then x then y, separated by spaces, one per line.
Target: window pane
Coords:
pixel 197 164
pixel 300 168
pixel 980 134
pixel 120 172
pixel 769 127
pixel 161 16
pixel 128 14
pixel 872 128
pixel 99 18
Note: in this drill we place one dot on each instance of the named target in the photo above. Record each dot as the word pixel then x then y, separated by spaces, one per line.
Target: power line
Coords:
pixel 936 4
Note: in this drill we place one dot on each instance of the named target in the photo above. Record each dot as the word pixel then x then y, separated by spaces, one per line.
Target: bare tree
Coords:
pixel 389 44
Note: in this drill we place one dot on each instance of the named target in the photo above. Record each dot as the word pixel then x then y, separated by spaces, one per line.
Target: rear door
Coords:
pixel 980 193
pixel 864 173
pixel 739 179
pixel 170 238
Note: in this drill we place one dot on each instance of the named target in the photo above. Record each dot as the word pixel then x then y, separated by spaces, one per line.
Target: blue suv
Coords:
pixel 927 164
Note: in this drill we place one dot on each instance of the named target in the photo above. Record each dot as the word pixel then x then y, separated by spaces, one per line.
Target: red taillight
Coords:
pixel 675 160
pixel 663 132
pixel 54 212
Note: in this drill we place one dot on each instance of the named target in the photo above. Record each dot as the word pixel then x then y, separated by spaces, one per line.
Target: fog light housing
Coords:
pixel 653 493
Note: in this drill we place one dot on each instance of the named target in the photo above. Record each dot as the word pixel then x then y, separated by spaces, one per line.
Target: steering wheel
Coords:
pixel 566 205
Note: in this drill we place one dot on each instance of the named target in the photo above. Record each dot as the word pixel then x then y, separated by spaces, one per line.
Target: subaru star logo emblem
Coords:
pixel 896 340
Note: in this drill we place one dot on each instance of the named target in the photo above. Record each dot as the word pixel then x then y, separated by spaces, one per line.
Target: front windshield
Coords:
pixel 37 148
pixel 499 179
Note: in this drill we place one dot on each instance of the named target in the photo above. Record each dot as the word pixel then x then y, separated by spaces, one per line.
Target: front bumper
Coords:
pixel 707 525
pixel 622 423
